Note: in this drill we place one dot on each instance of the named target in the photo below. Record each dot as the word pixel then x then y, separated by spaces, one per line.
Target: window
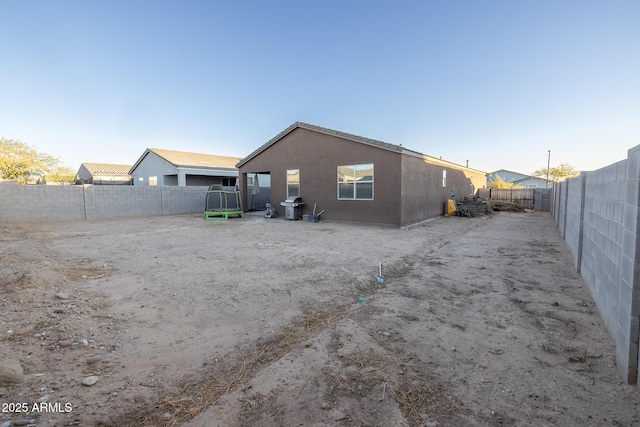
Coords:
pixel 444 178
pixel 293 183
pixel 355 182
pixel 249 181
pixel 228 182
pixel 153 180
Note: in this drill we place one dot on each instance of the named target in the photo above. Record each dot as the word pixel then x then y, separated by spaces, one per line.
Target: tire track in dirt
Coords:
pixel 195 398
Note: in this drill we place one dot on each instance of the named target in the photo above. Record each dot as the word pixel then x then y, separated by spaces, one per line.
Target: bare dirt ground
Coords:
pixel 258 322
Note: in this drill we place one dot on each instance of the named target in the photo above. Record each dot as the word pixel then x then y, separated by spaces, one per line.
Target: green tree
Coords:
pixel 499 182
pixel 22 162
pixel 558 173
pixel 62 175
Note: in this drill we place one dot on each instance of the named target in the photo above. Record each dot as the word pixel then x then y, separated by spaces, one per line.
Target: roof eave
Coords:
pixel 268 144
pixel 326 131
pixel 367 141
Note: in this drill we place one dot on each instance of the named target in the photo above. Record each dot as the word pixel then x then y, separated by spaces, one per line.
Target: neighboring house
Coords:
pixel 103 174
pixel 519 179
pixel 353 178
pixel 179 168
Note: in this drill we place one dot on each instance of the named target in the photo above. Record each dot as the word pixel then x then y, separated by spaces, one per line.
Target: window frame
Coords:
pixel 354 181
pixel 226 181
pixel 293 184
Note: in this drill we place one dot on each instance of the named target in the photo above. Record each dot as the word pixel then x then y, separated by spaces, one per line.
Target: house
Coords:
pixel 353 178
pixel 180 168
pixel 519 179
pixel 103 174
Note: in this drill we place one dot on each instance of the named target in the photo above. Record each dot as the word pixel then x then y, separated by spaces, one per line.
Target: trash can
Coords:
pixel 292 208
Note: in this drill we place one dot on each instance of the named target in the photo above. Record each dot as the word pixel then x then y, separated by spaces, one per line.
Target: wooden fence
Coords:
pixel 520 198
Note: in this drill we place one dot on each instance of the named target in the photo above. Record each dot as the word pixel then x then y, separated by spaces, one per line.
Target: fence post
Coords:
pixel 89 201
pixel 566 209
pixel 583 186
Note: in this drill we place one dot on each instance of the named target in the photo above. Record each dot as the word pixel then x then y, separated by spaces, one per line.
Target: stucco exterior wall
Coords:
pixel 206 180
pixel 424 193
pixel 83 174
pixel 407 185
pixel 169 175
pixel 318 156
pixel 153 165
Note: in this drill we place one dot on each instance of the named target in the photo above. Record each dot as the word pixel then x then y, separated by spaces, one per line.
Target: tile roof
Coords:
pixel 199 160
pixel 107 169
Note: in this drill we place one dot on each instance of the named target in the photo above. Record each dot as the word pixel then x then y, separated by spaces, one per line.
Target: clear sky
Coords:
pixel 497 83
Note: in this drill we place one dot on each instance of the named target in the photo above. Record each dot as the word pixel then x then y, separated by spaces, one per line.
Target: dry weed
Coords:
pixel 180 407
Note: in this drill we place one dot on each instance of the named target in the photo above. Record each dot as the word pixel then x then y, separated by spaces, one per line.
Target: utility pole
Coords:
pixel 546 184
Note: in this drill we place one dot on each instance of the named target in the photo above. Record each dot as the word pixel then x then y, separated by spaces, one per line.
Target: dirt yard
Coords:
pixel 178 321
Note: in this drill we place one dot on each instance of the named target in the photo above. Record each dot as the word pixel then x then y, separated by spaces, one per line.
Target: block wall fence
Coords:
pixel 597 214
pixel 90 202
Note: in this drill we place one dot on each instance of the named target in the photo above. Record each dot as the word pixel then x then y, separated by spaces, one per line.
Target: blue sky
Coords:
pixel 497 83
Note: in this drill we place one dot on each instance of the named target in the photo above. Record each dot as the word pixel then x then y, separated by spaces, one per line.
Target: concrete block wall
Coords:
pixel 629 291
pixel 183 200
pixel 603 240
pixel 597 214
pixel 542 199
pixel 41 202
pixel 573 215
pixel 560 206
pixel 120 201
pixel 90 202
